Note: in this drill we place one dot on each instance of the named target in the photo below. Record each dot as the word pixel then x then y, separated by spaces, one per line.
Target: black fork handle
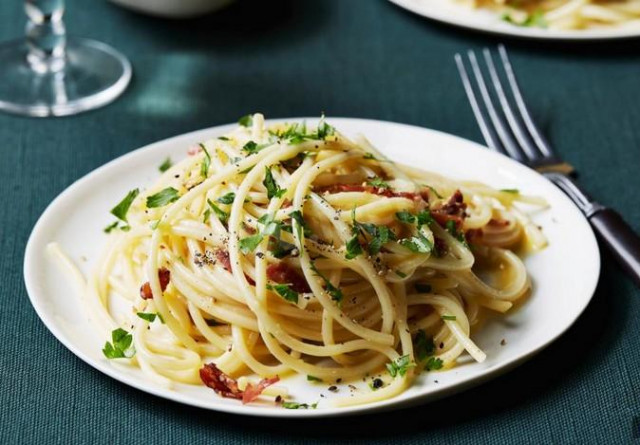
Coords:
pixel 620 238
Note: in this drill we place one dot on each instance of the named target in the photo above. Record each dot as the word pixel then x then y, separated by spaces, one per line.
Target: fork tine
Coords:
pixel 488 132
pixel 540 141
pixel 499 123
pixel 519 131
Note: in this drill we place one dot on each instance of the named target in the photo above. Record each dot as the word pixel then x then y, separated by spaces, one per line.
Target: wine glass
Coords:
pixel 48 74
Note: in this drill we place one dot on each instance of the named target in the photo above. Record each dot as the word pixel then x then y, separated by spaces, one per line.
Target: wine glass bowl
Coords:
pixel 48 74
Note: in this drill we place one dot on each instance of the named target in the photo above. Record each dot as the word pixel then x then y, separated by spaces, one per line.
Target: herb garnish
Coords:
pixel 417 244
pixel 121 346
pixel 150 316
pixel 284 291
pixel 424 349
pixel 301 224
pixel 227 199
pixel 166 165
pixel 246 121
pixel 400 366
pixel 120 211
pixel 273 189
pixel 221 214
pixel 294 405
pixel 312 378
pixel 162 198
pixel 512 191
pixel 378 183
pixel 379 236
pixel 335 293
pixel 453 231
pixel 223 138
pixel 449 317
pixel 110 227
pixel 206 163
pixel 250 243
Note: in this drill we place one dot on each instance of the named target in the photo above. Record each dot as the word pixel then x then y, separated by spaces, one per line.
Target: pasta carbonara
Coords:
pixel 566 14
pixel 285 249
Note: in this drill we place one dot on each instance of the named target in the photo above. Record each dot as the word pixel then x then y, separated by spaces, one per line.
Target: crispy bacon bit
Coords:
pixel 286 203
pixel 223 258
pixel 227 386
pixel 498 222
pixel 284 274
pixel 440 245
pixel 474 236
pixel 194 150
pixel 452 210
pixel 251 392
pixel 381 191
pixel 164 276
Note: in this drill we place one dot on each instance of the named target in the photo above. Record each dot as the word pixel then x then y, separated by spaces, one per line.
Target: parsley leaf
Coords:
pixel 433 363
pixel 223 138
pixel 424 217
pixel 423 346
pixel 301 224
pixel 312 378
pixel 120 211
pixel 166 165
pixel 512 191
pixel 110 227
pixel 246 121
pixel 335 293
pixel 324 129
pixel 273 189
pixel 284 291
pixel 221 214
pixel 121 346
pixel 378 183
pixel 150 316
pixel 405 217
pixel 449 317
pixel 417 244
pixel 435 192
pixel 250 243
pixel 400 366
pixel 227 199
pixel 368 155
pixel 353 247
pixel 294 405
pixel 453 231
pixel 206 163
pixel 250 147
pixel 162 198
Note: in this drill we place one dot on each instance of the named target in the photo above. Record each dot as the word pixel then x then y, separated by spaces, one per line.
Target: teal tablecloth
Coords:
pixel 350 58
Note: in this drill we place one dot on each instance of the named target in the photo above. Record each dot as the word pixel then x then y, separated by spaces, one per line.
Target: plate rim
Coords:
pixel 443 390
pixel 521 32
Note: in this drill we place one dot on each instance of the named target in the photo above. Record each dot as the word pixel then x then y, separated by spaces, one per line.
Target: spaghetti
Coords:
pixel 282 250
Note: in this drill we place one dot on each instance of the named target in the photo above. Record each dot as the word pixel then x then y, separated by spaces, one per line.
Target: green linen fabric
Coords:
pixel 355 58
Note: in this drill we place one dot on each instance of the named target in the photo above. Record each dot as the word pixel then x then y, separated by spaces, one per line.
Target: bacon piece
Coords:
pixel 223 258
pixel 220 382
pixel 474 236
pixel 452 210
pixel 284 274
pixel 380 191
pixel 498 222
pixel 251 392
pixel 194 150
pixel 164 276
pixel 227 386
pixel 440 246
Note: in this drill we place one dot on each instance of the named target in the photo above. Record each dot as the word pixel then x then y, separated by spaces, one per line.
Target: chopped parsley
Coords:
pixel 273 189
pixel 251 147
pixel 453 231
pixel 423 346
pixel 206 163
pixel 536 19
pixel 422 218
pixel 296 133
pixel 368 155
pixel 335 293
pixel 221 214
pixel 301 224
pixel 295 405
pixel 378 183
pixel 284 291
pixel 166 165
pixel 435 192
pixel 120 211
pixel 120 346
pixel 111 226
pixel 162 198
pixel 512 191
pixel 400 273
pixel 417 244
pixel 433 363
pixel 312 378
pixel 150 316
pixel 246 121
pixel 405 217
pixel 449 317
pixel 400 366
pixel 250 243
pixel 353 247
pixel 223 138
pixel 378 237
pixel 227 199
pixel 271 228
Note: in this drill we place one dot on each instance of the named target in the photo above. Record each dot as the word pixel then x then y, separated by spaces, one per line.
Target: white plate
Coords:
pixel 564 275
pixel 448 11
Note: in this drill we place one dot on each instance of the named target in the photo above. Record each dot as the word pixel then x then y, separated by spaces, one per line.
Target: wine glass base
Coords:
pixel 93 75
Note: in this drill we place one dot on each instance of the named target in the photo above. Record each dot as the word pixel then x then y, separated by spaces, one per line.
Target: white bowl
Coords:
pixel 178 9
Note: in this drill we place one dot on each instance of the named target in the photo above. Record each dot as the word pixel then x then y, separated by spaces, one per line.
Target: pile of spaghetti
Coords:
pixel 566 14
pixel 282 250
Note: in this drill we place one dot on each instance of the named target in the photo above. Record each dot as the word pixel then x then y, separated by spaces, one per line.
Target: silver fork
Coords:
pixel 510 130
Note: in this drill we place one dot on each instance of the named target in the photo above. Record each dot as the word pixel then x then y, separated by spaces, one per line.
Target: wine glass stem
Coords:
pixel 46 35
